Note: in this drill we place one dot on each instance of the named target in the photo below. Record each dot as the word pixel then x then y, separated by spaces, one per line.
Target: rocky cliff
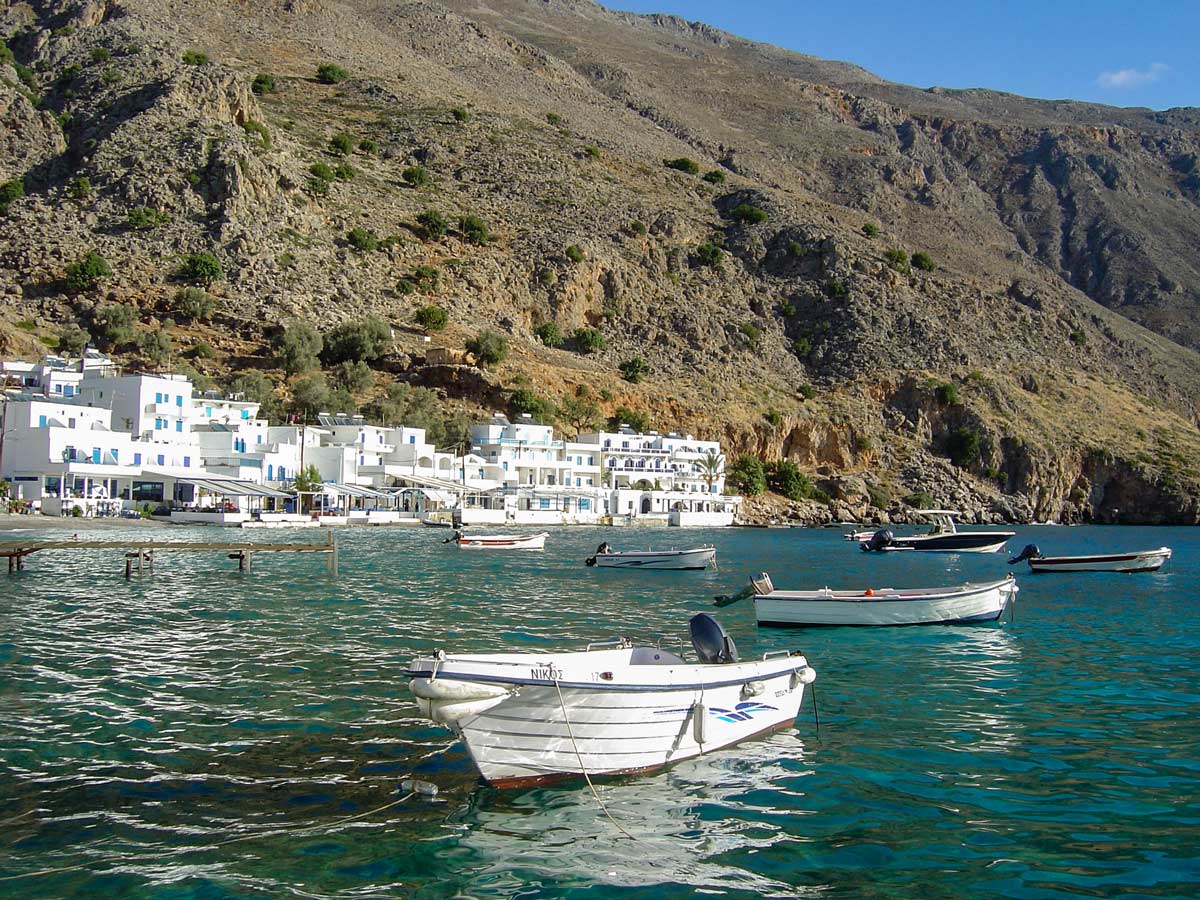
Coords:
pixel 866 278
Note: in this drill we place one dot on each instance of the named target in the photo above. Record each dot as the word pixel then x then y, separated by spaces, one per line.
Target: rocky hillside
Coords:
pixel 862 277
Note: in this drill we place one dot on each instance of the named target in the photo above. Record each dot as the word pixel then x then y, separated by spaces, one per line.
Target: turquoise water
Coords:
pixel 203 733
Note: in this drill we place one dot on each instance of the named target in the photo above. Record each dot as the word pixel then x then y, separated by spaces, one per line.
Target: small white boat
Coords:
pixel 607 558
pixel 529 718
pixel 961 605
pixel 944 537
pixel 432 521
pixel 1137 561
pixel 500 541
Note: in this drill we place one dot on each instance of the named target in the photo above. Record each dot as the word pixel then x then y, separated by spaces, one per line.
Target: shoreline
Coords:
pixel 13 522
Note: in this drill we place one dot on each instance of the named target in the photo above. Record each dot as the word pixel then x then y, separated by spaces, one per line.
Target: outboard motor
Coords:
pixel 1031 551
pixel 712 644
pixel 878 541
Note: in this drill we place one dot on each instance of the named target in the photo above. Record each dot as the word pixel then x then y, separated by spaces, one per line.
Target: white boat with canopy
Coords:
pixel 617 708
pixel 944 537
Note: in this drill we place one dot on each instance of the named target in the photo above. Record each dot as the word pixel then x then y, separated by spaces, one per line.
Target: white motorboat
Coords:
pixel 433 521
pixel 500 541
pixel 1136 561
pixel 944 537
pixel 961 605
pixel 608 558
pixel 529 718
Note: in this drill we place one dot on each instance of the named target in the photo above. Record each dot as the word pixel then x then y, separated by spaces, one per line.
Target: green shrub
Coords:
pixel 432 318
pixel 143 218
pixel 68 74
pixel 368 146
pixel 549 334
pixel 751 215
pixel 112 324
pixel 863 444
pixel 807 391
pixel 366 340
pixel 774 418
pixel 923 261
pixel 871 230
pixel 72 339
pixel 746 475
pixel 425 278
pixel 897 259
pixel 155 346
pixel 802 346
pixel 203 268
pixel 634 370
pixel 342 143
pixel 588 340
pixel 836 288
pixel 6 55
pixel 195 58
pixel 87 273
pixel 592 152
pixel 489 347
pixel 13 189
pixel 80 188
pixel 318 187
pixel 962 445
pixel 786 309
pixel 635 419
pixel 200 350
pixel 417 176
pixel 344 172
pixel 796 250
pixel 329 73
pixel 460 115
pixel 554 119
pixel 259 130
pixel 110 76
pixel 193 304
pixel 523 401
pixel 433 223
pixel 310 394
pixel 715 177
pixel 752 332
pixel 683 164
pixel 322 171
pixel 474 229
pixel 709 254
pixel 547 277
pixel 298 346
pixel 946 394
pixel 1078 338
pixel 353 375
pixel 101 54
pixel 785 478
pixel 637 227
pixel 264 83
pixel 362 239
pixel 574 253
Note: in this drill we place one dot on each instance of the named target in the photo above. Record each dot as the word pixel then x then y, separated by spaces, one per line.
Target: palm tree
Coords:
pixel 711 464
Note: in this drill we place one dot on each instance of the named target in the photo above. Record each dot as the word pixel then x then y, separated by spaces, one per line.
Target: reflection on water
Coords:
pixel 209 733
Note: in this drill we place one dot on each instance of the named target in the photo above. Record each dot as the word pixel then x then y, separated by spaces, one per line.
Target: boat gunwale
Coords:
pixel 1164 552
pixel 904 595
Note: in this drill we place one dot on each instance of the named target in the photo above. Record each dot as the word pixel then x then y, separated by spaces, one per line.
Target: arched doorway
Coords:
pixel 645 504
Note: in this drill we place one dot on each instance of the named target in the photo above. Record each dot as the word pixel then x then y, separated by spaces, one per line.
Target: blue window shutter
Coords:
pixel 187 462
pixel 137 459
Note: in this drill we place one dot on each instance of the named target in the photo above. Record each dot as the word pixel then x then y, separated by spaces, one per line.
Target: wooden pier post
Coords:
pixel 332 560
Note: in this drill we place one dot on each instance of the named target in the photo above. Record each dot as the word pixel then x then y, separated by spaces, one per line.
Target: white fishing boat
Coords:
pixel 616 708
pixel 944 537
pixel 961 605
pixel 608 558
pixel 434 521
pixel 1136 561
pixel 500 541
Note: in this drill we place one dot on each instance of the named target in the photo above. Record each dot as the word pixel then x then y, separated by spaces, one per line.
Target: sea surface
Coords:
pixel 204 733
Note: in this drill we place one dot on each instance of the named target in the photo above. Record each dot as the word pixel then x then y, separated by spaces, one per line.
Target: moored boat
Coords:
pixel 944 537
pixel 696 558
pixel 961 605
pixel 528 718
pixel 500 541
pixel 1135 561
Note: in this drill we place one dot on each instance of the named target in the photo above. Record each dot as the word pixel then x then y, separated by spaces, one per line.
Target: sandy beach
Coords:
pixel 68 523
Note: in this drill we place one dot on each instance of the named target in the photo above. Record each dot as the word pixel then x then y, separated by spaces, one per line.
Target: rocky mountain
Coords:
pixel 787 253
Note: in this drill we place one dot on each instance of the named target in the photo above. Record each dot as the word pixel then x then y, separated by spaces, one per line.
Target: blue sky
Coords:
pixel 1128 53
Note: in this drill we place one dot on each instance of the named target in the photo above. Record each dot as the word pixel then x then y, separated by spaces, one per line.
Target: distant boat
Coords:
pixel 943 538
pixel 500 541
pixel 966 604
pixel 1137 561
pixel 607 558
pixel 529 718
pixel 432 522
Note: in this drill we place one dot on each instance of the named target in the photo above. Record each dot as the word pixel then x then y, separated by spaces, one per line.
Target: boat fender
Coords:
pixel 454 691
pixel 752 689
pixel 699 721
pixel 417 786
pixel 807 675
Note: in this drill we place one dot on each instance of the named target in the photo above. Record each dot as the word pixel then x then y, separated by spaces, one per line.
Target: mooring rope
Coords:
pixel 579 757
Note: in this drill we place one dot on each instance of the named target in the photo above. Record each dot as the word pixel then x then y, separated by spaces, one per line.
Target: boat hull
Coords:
pixel 967 605
pixel 959 542
pixel 1144 561
pixel 503 541
pixel 665 559
pixel 548 730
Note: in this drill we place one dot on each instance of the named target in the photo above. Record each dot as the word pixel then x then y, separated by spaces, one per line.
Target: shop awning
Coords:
pixel 229 487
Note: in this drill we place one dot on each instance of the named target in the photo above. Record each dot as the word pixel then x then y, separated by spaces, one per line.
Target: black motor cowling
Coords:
pixel 712 644
pixel 879 540
pixel 1031 551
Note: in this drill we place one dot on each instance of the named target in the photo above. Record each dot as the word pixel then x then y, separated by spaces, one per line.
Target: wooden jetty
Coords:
pixel 139 555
